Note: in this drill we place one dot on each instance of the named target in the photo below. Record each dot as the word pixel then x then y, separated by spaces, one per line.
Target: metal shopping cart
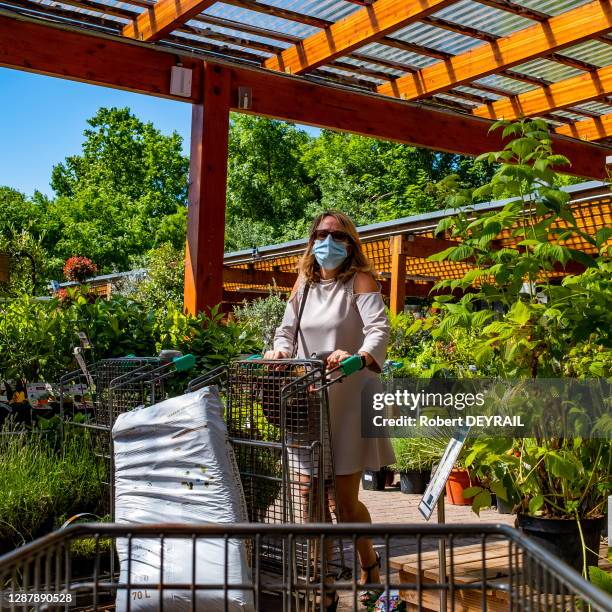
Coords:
pixel 109 387
pixel 277 415
pixel 489 567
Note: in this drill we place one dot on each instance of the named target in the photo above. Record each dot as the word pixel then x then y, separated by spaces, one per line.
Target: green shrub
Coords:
pixel 36 338
pixel 404 343
pixel 261 318
pixel 533 327
pixel 423 356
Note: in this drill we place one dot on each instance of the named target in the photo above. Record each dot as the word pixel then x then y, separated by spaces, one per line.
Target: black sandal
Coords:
pixel 333 606
pixel 368 597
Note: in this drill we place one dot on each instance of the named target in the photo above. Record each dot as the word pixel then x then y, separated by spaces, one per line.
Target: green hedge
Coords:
pixel 36 337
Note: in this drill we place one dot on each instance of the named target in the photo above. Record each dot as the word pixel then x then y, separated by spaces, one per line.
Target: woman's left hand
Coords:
pixel 369 360
pixel 336 357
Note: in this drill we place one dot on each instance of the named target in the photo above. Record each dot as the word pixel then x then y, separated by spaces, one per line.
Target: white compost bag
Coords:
pixel 174 464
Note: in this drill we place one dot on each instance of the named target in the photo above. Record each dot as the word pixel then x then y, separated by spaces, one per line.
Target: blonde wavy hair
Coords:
pixel 356 261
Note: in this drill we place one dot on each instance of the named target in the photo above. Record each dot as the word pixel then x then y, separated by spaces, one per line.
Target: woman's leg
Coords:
pixel 311 512
pixel 348 509
pixel 309 493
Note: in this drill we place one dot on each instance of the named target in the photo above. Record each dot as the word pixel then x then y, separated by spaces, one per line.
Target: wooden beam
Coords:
pixel 578 89
pixel 515 9
pixel 163 17
pixel 275 11
pixel 411 289
pixel 297 100
pixel 569 28
pixel 207 189
pixel 355 30
pixel 590 129
pixel 458 28
pixel 237 297
pixel 250 276
pixel 99 60
pixel 102 60
pixel 287 279
pixel 423 246
pixel 398 274
pixel 238 26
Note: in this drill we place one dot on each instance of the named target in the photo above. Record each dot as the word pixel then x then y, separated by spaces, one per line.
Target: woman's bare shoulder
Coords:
pixel 364 283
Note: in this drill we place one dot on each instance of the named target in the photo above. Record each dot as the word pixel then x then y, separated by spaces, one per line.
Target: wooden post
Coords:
pixel 207 190
pixel 4 268
pixel 398 274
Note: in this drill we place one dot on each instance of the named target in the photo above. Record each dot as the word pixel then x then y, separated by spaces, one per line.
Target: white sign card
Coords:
pixel 438 482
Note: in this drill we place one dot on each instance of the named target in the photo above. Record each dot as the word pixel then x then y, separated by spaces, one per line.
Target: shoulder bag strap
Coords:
pixel 299 318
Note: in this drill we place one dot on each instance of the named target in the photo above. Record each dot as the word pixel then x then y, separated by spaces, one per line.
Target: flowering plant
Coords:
pixel 79 268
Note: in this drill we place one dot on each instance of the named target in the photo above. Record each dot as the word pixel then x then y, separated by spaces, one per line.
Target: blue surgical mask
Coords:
pixel 329 253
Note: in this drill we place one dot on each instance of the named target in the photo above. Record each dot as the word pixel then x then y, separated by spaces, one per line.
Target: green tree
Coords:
pixel 374 180
pixel 18 211
pixel 542 319
pixel 268 186
pixel 21 239
pixel 124 155
pixel 164 283
pixel 125 193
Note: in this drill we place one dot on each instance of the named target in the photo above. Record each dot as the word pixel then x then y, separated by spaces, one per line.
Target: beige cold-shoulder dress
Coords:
pixel 334 318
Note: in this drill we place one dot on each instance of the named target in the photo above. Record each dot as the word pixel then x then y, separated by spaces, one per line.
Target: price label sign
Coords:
pixel 438 482
pixel 85 343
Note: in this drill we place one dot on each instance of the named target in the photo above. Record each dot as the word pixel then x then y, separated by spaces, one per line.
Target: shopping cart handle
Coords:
pixel 184 363
pixel 351 364
pixel 348 366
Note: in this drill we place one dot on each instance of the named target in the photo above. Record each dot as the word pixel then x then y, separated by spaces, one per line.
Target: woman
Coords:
pixel 343 313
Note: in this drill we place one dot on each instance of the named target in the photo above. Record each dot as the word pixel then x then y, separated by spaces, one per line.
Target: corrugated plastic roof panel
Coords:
pixel 248 30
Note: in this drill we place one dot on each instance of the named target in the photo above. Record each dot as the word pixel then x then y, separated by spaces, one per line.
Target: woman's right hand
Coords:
pixel 276 355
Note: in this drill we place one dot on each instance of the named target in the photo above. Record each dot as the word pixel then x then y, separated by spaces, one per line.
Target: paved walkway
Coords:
pixel 393 506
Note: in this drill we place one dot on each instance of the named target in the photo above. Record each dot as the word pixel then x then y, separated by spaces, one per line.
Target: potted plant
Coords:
pixel 557 489
pixel 460 487
pixel 414 458
pixel 533 327
pixel 377 480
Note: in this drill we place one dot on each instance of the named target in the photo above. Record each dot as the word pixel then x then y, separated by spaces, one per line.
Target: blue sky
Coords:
pixel 42 121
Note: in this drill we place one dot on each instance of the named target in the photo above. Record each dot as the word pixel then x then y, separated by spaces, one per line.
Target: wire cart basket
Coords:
pixel 110 387
pixel 51 573
pixel 277 415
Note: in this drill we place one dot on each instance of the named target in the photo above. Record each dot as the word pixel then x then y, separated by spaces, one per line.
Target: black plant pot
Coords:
pixel 414 481
pixel 503 507
pixel 374 480
pixel 562 538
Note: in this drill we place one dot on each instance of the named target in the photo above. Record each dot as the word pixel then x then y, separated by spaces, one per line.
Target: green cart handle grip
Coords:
pixel 252 357
pixel 184 363
pixel 351 364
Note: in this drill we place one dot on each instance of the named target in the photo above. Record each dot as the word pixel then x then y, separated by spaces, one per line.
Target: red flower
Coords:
pixel 79 268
